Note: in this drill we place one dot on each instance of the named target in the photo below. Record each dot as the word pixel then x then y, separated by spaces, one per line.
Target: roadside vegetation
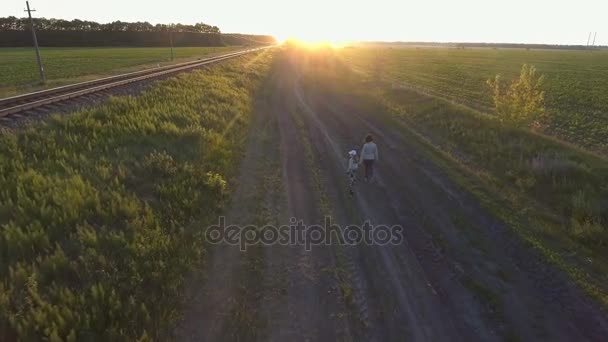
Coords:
pixel 101 211
pixel 551 193
pixel 574 82
pixel 19 71
pixel 522 102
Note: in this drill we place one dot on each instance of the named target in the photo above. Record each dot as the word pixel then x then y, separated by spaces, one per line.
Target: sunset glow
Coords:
pixel 516 21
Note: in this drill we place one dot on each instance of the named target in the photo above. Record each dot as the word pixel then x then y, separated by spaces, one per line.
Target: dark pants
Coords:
pixel 369 168
pixel 352 177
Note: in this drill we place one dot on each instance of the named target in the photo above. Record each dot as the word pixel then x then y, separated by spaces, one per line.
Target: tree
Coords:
pixel 8 23
pixel 522 102
pixel 52 24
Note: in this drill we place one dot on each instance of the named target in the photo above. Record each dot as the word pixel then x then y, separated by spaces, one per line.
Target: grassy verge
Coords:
pixel 93 243
pixel 258 205
pixel 19 72
pixel 341 270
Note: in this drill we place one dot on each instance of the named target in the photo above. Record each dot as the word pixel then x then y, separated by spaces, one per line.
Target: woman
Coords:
pixel 369 154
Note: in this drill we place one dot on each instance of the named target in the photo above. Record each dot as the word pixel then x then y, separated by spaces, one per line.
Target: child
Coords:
pixel 351 171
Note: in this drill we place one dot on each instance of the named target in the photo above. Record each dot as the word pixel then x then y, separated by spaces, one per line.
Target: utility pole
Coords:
pixel 40 67
pixel 595 35
pixel 588 38
pixel 171 40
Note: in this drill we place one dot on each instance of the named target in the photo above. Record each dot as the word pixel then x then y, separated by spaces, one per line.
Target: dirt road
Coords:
pixel 458 274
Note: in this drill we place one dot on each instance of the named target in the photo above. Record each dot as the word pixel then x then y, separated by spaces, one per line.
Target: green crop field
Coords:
pixel 100 210
pixel 19 71
pixel 575 81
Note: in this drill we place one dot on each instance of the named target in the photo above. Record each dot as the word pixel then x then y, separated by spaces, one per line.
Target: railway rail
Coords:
pixel 23 103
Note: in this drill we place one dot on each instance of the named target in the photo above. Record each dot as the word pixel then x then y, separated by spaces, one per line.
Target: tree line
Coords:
pixel 44 24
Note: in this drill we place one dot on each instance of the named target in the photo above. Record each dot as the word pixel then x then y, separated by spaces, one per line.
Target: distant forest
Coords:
pixel 44 24
pixel 15 32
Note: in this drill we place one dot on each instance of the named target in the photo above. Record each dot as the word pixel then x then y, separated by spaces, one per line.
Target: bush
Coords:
pixel 522 103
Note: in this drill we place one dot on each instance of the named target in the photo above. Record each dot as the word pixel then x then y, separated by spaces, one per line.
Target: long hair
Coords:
pixel 369 138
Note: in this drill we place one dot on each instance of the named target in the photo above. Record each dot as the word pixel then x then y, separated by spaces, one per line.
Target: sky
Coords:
pixel 500 21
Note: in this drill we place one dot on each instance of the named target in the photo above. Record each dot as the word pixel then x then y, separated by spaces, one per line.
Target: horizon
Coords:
pixel 469 21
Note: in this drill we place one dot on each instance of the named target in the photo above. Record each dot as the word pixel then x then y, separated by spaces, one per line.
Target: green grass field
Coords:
pixel 575 81
pixel 19 71
pixel 101 211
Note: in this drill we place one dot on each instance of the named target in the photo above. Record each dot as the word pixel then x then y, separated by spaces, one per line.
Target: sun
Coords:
pixel 312 37
pixel 312 42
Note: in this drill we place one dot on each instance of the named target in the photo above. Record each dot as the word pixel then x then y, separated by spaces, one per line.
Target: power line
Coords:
pixel 40 67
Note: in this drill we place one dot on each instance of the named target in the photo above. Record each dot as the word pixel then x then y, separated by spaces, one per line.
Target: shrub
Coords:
pixel 522 102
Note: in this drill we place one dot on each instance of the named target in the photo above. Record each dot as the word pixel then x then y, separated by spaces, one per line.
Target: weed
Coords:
pixel 523 101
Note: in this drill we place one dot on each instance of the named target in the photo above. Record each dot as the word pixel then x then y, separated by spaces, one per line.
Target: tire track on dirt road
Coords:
pixel 403 303
pixel 312 310
pixel 276 292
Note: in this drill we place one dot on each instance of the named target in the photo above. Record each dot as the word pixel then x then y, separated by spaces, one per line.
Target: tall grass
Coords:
pixel 101 211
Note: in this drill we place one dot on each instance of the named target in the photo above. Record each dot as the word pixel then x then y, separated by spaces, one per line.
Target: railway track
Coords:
pixel 22 103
